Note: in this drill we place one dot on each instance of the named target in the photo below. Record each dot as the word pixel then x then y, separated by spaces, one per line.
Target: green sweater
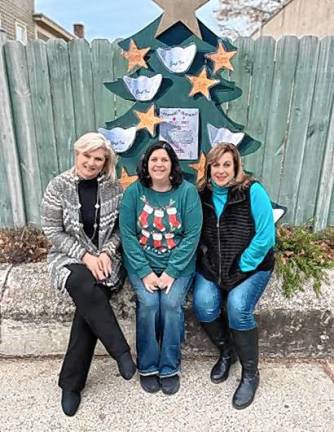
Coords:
pixel 160 230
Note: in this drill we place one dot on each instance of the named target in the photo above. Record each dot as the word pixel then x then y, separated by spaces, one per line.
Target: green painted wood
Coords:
pixel 259 101
pixel 24 128
pixel 324 212
pixel 120 69
pixel 62 101
pixel 82 86
pixel 42 110
pixel 284 70
pixel 102 69
pixel 316 155
pixel 12 212
pixel 330 220
pixel 243 63
pixel 298 124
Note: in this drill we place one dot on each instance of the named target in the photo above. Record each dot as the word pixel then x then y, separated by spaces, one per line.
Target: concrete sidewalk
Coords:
pixel 294 396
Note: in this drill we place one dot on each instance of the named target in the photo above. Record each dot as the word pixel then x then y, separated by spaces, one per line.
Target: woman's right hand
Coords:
pixel 93 265
pixel 151 282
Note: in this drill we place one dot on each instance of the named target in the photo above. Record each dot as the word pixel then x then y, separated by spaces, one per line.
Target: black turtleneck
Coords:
pixel 87 197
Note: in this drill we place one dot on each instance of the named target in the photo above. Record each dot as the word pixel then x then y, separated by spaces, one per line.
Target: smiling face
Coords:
pixel 222 170
pixel 159 167
pixel 90 164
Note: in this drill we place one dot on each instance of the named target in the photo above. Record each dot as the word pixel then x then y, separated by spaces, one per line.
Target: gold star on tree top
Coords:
pixel 201 83
pixel 135 56
pixel 179 10
pixel 148 120
pixel 221 58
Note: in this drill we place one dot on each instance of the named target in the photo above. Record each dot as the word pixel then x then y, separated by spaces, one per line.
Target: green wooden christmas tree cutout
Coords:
pixel 180 71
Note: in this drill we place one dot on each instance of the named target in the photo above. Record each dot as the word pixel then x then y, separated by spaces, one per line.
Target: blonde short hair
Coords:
pixel 92 141
pixel 240 178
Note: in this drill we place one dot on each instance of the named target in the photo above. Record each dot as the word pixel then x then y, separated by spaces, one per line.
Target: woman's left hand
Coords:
pixel 104 262
pixel 165 282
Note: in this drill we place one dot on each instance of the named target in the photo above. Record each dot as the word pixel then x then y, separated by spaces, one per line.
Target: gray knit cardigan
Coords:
pixel 60 222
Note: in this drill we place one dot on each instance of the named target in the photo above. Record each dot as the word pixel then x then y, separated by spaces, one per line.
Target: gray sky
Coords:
pixel 112 18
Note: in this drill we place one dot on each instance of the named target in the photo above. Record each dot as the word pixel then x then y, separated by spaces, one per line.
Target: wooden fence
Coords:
pixel 51 93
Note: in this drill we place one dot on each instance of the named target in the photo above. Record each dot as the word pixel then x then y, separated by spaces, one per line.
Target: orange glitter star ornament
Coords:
pixel 126 180
pixel 135 56
pixel 199 166
pixel 221 58
pixel 201 83
pixel 148 120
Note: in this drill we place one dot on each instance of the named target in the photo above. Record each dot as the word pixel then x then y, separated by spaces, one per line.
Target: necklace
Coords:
pixel 96 211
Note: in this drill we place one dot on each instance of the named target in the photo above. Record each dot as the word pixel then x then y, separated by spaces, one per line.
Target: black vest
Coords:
pixel 224 240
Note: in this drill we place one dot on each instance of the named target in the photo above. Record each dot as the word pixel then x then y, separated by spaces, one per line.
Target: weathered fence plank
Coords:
pixel 82 86
pixel 298 124
pixel 261 87
pixel 120 69
pixel 102 69
pixel 317 133
pixel 24 128
pixel 62 101
pixel 324 213
pixel 284 71
pixel 11 202
pixel 243 64
pixel 42 111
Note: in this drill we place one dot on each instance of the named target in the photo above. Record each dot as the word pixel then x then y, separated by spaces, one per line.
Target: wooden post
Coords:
pixel 10 161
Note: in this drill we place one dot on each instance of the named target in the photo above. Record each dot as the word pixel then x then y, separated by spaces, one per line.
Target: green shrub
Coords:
pixel 303 255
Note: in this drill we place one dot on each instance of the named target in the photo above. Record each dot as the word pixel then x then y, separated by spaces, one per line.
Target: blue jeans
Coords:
pixel 240 303
pixel 160 327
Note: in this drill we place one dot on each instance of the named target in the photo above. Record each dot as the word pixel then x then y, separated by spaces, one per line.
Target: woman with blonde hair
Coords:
pixel 79 216
pixel 234 265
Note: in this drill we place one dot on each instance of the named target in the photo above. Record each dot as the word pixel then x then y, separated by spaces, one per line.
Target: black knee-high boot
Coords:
pixel 246 345
pixel 219 334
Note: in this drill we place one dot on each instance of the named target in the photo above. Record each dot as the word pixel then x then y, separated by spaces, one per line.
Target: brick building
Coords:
pixel 20 22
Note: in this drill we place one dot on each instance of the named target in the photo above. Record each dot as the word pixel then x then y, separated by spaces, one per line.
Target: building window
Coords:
pixel 21 32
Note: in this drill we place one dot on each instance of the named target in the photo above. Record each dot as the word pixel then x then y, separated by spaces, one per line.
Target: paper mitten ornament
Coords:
pixel 172 219
pixel 143 217
pixel 170 240
pixel 157 220
pixel 145 235
pixel 157 240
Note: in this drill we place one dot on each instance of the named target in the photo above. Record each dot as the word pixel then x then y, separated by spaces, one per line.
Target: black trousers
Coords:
pixel 94 319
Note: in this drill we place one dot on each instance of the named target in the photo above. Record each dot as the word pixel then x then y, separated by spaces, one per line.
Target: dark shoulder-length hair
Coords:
pixel 176 175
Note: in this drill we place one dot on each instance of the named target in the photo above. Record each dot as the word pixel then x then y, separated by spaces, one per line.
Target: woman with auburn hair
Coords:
pixel 79 216
pixel 235 262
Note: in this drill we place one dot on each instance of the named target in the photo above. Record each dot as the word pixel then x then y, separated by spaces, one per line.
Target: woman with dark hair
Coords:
pixel 235 262
pixel 79 216
pixel 160 223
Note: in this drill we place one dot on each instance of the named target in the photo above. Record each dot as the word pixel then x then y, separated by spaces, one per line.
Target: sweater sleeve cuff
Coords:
pixel 172 272
pixel 144 272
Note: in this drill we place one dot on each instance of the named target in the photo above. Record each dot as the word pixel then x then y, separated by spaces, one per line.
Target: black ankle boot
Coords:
pixel 70 401
pixel 150 383
pixel 126 365
pixel 219 334
pixel 246 345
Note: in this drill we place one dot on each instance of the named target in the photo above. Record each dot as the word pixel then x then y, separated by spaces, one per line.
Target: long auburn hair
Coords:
pixel 240 180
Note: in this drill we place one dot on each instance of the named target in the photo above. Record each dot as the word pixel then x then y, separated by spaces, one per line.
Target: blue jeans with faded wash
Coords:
pixel 240 302
pixel 160 326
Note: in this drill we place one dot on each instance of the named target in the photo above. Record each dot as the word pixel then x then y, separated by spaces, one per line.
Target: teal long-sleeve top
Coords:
pixel 160 231
pixel 261 209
